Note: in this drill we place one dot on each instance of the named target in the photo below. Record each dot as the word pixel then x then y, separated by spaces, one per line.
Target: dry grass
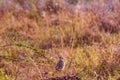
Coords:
pixel 32 38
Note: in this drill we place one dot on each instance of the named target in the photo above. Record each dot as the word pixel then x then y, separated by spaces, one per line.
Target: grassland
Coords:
pixel 32 37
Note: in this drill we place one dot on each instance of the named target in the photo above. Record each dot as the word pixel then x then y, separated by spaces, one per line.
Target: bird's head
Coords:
pixel 60 57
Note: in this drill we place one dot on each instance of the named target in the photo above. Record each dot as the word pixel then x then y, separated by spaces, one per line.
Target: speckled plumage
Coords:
pixel 60 65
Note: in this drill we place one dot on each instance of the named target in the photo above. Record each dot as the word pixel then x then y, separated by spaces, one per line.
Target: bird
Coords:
pixel 60 64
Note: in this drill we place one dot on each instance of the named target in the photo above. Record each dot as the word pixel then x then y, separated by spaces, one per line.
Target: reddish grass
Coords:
pixel 33 36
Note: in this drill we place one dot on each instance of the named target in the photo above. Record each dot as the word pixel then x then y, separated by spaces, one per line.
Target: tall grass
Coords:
pixel 33 36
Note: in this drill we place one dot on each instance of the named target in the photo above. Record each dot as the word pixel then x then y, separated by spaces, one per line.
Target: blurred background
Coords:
pixel 35 33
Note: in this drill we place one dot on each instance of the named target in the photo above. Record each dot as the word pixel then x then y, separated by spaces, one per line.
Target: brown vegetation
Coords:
pixel 33 36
